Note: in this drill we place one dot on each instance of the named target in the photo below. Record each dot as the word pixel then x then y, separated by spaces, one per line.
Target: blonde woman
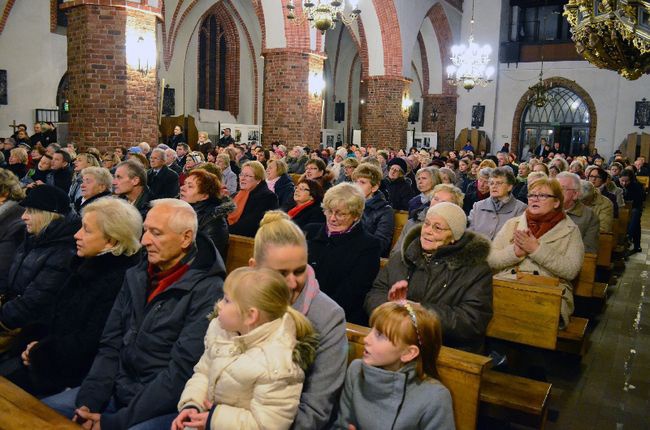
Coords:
pixel 96 182
pixel 81 162
pixel 11 224
pixel 107 245
pixel 18 159
pixel 252 201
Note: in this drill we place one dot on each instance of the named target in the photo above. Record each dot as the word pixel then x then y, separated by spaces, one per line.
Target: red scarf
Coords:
pixel 540 224
pixel 298 208
pixel 239 200
pixel 160 281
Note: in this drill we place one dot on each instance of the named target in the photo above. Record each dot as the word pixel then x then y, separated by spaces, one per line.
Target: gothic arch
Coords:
pixel 555 81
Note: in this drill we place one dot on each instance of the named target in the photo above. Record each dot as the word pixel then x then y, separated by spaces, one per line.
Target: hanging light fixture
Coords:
pixel 323 15
pixel 469 66
pixel 539 92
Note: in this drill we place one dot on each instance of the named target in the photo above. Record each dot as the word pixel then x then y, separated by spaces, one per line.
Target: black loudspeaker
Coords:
pixel 169 101
pixel 414 113
pixel 339 112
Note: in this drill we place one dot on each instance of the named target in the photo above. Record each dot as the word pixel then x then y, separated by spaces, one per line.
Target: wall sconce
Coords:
pixel 407 102
pixel 140 51
pixel 316 84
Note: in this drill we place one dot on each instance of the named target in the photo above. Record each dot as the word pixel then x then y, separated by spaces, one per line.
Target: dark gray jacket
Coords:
pixel 456 284
pixel 12 230
pixel 379 220
pixel 148 350
pixel 487 218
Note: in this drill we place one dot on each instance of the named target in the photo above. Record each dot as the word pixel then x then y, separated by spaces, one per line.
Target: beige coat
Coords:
pixel 560 254
pixel 251 379
pixel 604 209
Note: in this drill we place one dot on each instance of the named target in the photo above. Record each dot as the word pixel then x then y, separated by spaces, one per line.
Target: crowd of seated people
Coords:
pixel 110 262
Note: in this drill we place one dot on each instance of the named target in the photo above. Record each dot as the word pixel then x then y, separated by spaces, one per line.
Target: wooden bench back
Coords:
pixel 525 314
pixel 240 250
pixel 584 283
pixel 605 249
pixel 644 180
pixel 460 371
pixel 401 217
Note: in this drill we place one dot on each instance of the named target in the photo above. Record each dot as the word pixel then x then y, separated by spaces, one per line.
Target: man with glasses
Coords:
pixel 489 215
pixel 581 215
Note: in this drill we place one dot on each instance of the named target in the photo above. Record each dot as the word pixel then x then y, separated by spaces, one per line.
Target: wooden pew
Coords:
pixel 585 284
pixel 645 181
pixel 295 177
pixel 460 371
pixel 530 315
pixel 606 244
pixel 240 250
pixel 20 410
pixel 401 217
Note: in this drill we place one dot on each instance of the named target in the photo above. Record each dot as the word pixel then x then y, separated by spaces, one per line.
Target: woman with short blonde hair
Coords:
pixel 96 182
pixel 17 162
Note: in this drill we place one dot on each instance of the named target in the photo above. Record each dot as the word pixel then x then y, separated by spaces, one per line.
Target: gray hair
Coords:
pixel 588 191
pixel 101 175
pixel 159 151
pixel 450 174
pixel 348 195
pixel 485 172
pixel 573 177
pixel 459 196
pixel 170 153
pixel 119 221
pixel 134 169
pixel 182 219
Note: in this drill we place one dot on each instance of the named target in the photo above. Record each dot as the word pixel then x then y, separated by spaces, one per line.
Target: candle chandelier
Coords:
pixel 469 66
pixel 539 95
pixel 323 15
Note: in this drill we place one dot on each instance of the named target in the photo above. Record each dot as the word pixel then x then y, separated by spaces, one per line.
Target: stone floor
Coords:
pixel 610 387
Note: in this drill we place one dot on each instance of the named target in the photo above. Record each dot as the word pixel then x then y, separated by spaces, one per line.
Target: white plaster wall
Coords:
pixel 613 96
pixel 436 64
pixel 274 23
pixel 338 90
pixel 35 61
pixel 373 37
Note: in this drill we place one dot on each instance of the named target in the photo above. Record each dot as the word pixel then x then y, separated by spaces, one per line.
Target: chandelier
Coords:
pixel 324 15
pixel 612 34
pixel 539 92
pixel 470 63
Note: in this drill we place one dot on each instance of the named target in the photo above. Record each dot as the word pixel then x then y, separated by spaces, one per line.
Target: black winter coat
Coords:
pixel 12 232
pixel 163 184
pixel 61 178
pixel 212 216
pixel 260 200
pixel 379 220
pixel 399 193
pixel 148 350
pixel 284 189
pixel 78 205
pixel 456 283
pixel 63 358
pixel 345 266
pixel 38 271
pixel 312 214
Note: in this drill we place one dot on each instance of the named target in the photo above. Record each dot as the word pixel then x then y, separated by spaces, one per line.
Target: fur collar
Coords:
pixel 472 249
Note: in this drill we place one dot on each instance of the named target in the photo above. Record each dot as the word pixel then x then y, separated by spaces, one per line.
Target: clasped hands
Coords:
pixel 524 243
pixel 191 417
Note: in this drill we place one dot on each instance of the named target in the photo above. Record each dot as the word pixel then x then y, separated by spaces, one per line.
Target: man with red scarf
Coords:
pixel 154 334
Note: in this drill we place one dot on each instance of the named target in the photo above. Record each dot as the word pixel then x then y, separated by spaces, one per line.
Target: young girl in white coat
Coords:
pixel 395 385
pixel 251 373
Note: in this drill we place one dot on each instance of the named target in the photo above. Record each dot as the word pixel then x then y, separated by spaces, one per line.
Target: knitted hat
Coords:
pixel 399 162
pixel 453 214
pixel 47 198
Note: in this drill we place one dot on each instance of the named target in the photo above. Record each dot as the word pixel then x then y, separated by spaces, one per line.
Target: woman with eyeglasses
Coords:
pixel 316 170
pixel 192 160
pixel 543 241
pixel 110 161
pixel 489 215
pixel 251 201
pixel 344 256
pixel 426 179
pixel 443 267
pixel 307 198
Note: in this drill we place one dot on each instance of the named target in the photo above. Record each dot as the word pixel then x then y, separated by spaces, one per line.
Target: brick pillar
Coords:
pixel 291 114
pixel 383 121
pixel 445 124
pixel 110 103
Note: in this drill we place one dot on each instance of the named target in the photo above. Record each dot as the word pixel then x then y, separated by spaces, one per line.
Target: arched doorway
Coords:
pixel 569 118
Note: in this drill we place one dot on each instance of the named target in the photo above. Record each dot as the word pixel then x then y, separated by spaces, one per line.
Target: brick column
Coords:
pixel 291 114
pixel 110 103
pixel 445 124
pixel 383 121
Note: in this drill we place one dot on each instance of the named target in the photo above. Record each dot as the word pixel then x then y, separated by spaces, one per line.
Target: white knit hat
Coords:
pixel 453 214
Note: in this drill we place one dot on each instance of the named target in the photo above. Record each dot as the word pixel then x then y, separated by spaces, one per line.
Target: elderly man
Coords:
pixel 600 205
pixel 580 214
pixel 170 161
pixel 163 181
pixel 130 183
pixel 154 334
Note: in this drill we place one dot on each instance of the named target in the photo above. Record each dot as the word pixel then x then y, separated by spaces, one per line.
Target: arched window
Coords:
pixel 564 119
pixel 218 67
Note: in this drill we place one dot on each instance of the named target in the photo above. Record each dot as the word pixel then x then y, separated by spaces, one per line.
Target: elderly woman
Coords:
pixel 347 168
pixel 307 199
pixel 426 179
pixel 81 162
pixel 478 190
pixel 107 245
pixel 444 268
pixel 11 225
pixel 41 263
pixel 229 177
pixel 344 256
pixel 316 170
pixel 202 190
pixel 378 217
pixel 542 241
pixel 280 245
pixel 96 183
pixel 447 176
pixel 296 160
pixel 398 188
pixel 489 215
pixel 252 201
pixel 602 206
pixel 279 181
pixel 18 159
